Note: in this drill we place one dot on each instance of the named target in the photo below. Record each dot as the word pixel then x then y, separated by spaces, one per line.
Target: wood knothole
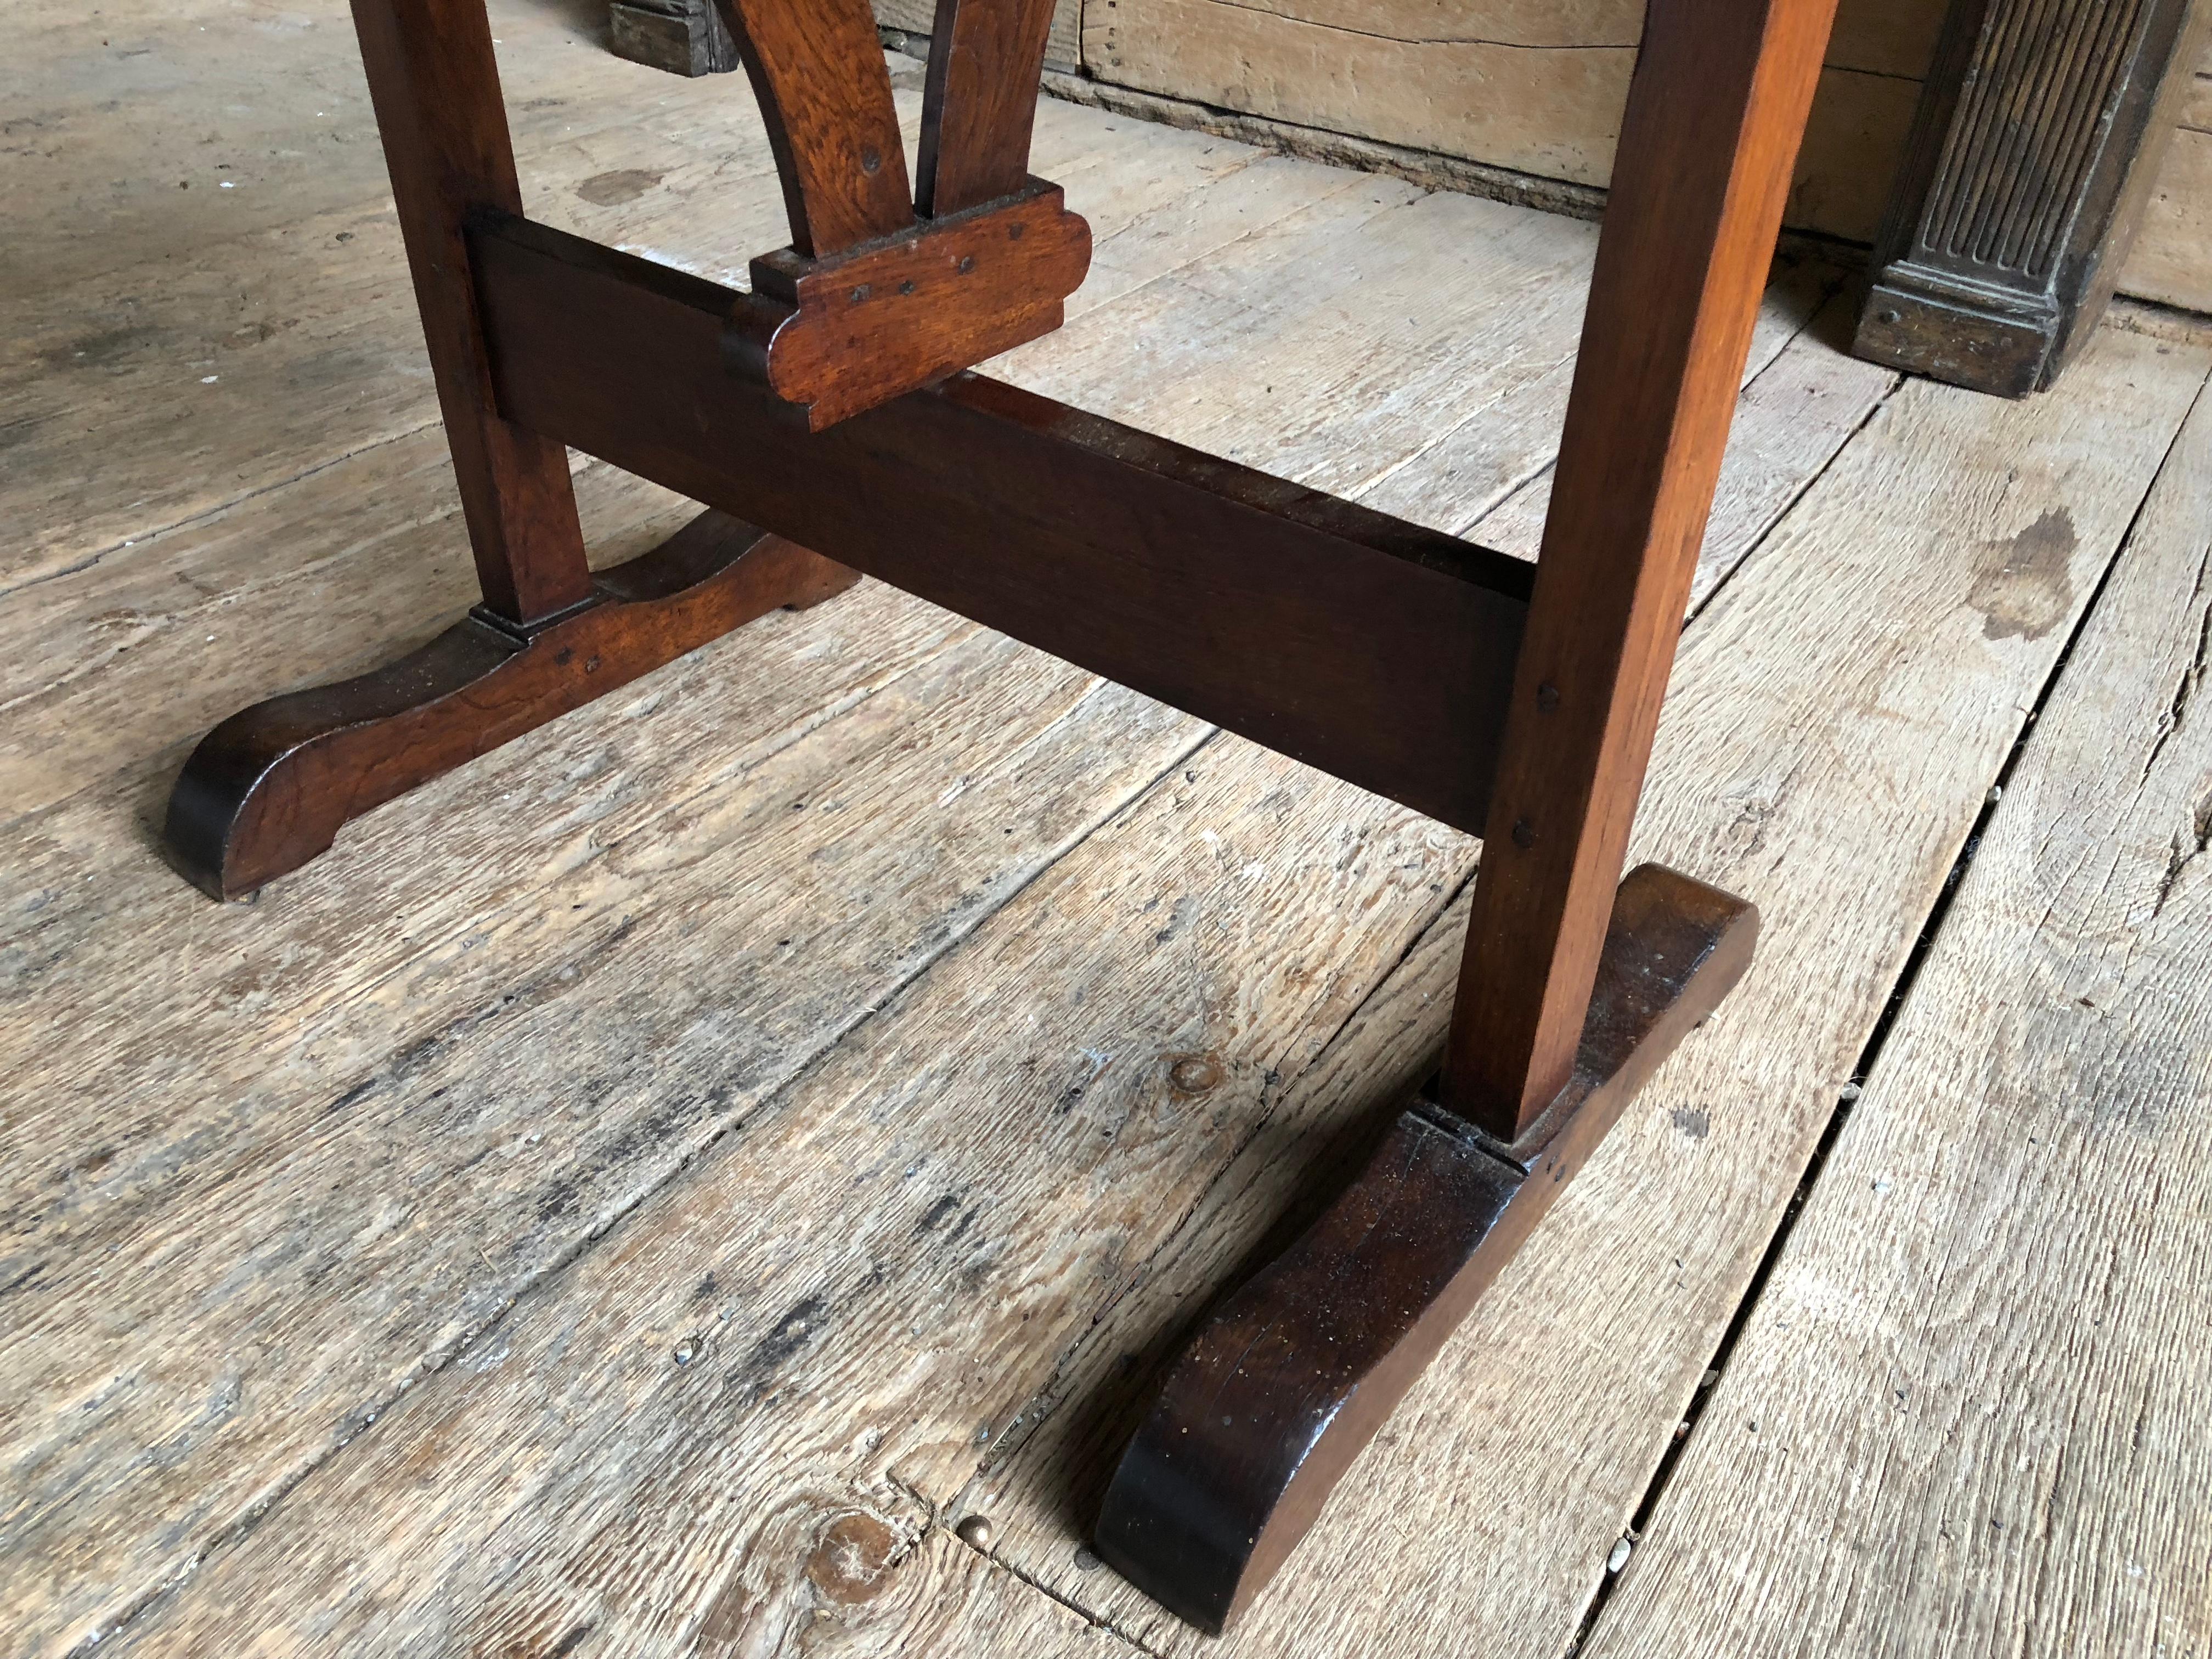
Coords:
pixel 881 292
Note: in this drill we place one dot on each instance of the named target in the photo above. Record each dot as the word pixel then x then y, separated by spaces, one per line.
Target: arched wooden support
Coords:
pixel 825 96
pixel 979 103
pixel 270 788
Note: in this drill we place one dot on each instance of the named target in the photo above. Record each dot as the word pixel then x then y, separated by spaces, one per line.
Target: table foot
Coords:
pixel 1293 1373
pixel 269 788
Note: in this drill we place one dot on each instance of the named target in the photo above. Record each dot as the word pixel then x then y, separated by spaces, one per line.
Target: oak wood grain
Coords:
pixel 271 787
pixel 892 317
pixel 979 101
pixel 825 99
pixel 1291 1375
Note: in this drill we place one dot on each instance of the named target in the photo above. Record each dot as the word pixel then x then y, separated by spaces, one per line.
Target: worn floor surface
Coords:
pixel 638 1194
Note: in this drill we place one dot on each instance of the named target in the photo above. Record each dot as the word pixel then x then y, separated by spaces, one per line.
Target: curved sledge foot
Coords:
pixel 1291 1375
pixel 269 788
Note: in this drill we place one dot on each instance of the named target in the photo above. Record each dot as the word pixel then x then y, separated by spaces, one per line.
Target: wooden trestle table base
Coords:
pixel 827 422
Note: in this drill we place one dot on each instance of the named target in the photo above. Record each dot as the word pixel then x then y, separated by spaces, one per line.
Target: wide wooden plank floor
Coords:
pixel 638 1195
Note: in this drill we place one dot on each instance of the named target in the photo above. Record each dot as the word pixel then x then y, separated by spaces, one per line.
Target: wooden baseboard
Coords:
pixel 1430 169
pixel 2166 267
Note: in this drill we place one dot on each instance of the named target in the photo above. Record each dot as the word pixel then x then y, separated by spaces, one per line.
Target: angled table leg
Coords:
pixel 434 84
pixel 1560 1014
pixel 1294 1373
pixel 1708 142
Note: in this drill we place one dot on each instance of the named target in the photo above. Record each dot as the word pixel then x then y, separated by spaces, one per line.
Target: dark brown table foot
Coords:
pixel 269 788
pixel 1292 1374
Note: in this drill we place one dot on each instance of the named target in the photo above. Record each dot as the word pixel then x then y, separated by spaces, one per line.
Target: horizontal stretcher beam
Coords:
pixel 1376 650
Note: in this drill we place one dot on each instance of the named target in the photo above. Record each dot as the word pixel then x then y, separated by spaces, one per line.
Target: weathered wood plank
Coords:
pixel 1836 716
pixel 200 375
pixel 1886 37
pixel 1244 194
pixel 257 1021
pixel 1798 409
pixel 126 123
pixel 785 1318
pixel 1967 1414
pixel 1539 90
pixel 1445 323
pixel 2172 260
pixel 1536 88
pixel 271 1081
pixel 284 581
pixel 394 1243
pixel 1477 468
pixel 1009 1169
pixel 194 612
pixel 308 326
pixel 83 884
pixel 2197 109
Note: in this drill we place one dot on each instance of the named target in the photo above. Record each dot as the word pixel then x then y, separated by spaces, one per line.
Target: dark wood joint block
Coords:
pixel 1962 333
pixel 840 335
pixel 1292 1374
pixel 684 37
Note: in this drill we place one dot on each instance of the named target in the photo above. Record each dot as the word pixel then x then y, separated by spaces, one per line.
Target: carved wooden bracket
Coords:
pixel 879 295
pixel 2037 136
pixel 857 328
